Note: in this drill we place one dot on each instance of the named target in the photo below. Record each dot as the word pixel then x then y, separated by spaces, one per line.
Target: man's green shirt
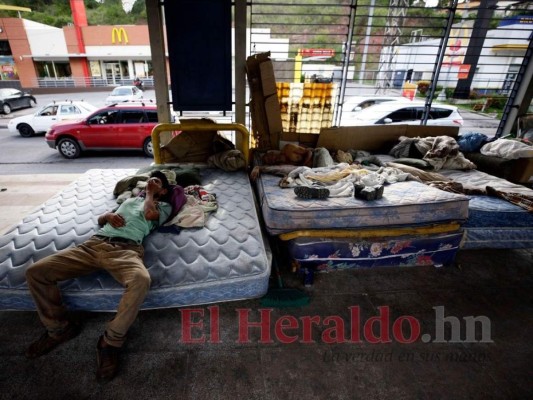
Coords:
pixel 137 226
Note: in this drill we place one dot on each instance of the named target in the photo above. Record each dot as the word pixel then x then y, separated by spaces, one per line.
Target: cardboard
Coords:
pixel 273 115
pixel 268 81
pixel 376 138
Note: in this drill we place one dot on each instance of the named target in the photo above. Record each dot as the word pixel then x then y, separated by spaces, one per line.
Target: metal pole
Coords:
pixel 438 65
pixel 240 63
pixel 348 50
pixel 154 15
pixel 367 38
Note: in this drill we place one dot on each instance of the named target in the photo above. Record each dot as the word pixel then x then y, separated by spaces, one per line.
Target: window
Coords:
pixel 50 110
pixel 53 69
pixel 70 109
pixel 152 116
pixel 5 49
pixel 436 113
pixel 132 116
pixel 403 114
pixel 104 117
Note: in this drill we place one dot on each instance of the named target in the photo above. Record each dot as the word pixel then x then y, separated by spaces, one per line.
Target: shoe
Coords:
pixel 106 361
pixel 47 343
pixel 306 192
pixel 368 192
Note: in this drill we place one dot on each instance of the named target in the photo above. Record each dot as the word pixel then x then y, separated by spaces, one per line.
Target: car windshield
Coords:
pixel 121 92
pixel 86 107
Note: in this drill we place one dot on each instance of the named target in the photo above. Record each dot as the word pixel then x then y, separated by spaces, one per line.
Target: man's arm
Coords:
pixel 151 212
pixel 280 170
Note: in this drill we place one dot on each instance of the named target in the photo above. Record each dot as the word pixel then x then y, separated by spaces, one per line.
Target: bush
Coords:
pixel 423 87
pixel 497 102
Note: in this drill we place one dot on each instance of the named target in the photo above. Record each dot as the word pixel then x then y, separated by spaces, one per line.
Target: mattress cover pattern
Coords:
pixel 494 222
pixel 226 260
pixel 327 254
pixel 403 203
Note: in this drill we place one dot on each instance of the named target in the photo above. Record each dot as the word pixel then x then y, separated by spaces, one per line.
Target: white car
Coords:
pixel 405 113
pixel 42 120
pixel 122 94
pixel 358 103
pixel 355 104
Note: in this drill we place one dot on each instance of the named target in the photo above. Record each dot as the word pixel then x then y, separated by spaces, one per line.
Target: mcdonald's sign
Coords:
pixel 119 35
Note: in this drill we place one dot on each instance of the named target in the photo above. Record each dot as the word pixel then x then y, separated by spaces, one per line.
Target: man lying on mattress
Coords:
pixel 116 248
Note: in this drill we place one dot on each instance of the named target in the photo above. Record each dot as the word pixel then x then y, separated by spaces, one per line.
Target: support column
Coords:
pixel 155 17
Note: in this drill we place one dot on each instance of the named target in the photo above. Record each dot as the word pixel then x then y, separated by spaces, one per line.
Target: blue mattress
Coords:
pixel 226 260
pixel 407 203
pixel 326 254
pixel 494 222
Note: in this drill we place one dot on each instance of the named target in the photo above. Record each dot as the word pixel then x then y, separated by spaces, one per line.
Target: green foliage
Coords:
pixel 58 12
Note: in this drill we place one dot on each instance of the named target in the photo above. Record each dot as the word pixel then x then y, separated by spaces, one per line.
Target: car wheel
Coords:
pixel 33 103
pixel 148 148
pixel 25 130
pixel 6 108
pixel 69 148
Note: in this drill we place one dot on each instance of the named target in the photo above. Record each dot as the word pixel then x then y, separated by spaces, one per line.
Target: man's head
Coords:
pixel 162 181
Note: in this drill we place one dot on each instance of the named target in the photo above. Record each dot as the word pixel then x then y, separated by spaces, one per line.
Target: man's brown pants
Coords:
pixel 123 261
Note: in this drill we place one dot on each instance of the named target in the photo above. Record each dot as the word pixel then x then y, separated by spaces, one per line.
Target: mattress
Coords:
pixel 327 254
pixel 227 259
pixel 494 222
pixel 407 203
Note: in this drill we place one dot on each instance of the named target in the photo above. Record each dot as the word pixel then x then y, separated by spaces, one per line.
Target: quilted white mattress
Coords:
pixel 226 260
pixel 407 203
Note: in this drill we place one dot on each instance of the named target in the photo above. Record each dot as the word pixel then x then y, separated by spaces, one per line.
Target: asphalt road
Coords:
pixel 20 155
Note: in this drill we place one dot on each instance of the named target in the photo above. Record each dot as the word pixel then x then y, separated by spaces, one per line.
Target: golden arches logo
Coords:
pixel 117 34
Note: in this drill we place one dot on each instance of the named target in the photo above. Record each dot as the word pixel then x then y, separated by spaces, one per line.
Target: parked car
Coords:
pixel 358 103
pixel 118 126
pixel 13 99
pixel 52 113
pixel 408 113
pixel 124 93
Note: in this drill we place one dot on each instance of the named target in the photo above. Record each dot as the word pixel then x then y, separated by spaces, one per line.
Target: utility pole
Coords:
pixel 475 45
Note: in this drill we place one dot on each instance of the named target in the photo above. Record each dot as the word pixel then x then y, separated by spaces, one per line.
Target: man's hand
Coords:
pixel 153 186
pixel 115 220
pixel 256 171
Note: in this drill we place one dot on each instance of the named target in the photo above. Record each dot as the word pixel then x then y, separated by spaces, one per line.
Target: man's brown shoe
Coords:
pixel 47 343
pixel 106 360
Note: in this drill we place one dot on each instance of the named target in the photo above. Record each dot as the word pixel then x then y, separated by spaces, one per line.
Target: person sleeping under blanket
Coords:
pixel 281 162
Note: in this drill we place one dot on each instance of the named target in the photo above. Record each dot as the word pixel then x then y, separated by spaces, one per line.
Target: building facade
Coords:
pixel 38 55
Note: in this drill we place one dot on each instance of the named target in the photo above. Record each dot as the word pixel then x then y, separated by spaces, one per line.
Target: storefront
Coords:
pixel 36 55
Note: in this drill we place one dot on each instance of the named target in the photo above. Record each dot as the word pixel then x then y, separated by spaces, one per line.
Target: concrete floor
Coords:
pixel 159 362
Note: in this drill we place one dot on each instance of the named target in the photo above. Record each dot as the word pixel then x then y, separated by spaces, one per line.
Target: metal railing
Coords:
pixel 72 82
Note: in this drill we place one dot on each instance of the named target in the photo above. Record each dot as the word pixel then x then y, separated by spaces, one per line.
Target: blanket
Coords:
pixel 441 152
pixel 339 179
pixel 508 149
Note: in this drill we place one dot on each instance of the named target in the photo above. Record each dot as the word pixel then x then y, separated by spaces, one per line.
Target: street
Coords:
pixel 20 155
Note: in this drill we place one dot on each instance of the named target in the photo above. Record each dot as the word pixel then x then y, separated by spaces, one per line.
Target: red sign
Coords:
pixel 464 69
pixel 326 53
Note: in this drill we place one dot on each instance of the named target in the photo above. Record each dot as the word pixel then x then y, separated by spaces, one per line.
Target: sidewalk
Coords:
pixel 21 194
pixel 486 299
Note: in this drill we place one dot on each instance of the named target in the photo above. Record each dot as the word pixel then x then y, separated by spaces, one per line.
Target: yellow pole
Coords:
pixel 298 67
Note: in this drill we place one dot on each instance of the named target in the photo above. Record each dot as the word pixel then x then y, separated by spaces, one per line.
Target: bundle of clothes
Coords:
pixel 349 172
pixel 191 202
